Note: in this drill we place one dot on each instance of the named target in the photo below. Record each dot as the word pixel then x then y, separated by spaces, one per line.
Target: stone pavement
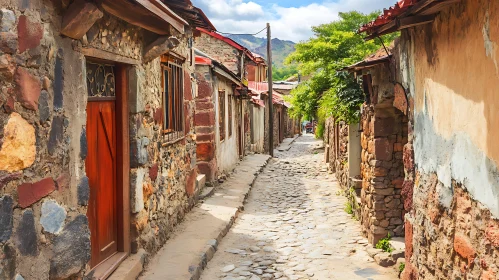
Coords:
pixel 294 226
pixel 194 241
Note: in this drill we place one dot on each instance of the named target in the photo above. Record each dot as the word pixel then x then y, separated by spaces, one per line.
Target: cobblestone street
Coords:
pixel 294 226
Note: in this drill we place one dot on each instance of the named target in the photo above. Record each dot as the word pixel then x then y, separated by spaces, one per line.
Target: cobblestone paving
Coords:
pixel 294 226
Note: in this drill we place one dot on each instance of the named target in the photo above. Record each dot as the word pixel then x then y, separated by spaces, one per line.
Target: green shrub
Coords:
pixel 384 244
pixel 401 267
pixel 348 208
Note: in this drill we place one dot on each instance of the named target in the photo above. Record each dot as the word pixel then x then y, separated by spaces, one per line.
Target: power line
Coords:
pixel 227 33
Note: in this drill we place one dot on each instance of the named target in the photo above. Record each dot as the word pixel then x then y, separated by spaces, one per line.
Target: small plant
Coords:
pixel 348 208
pixel 338 193
pixel 401 267
pixel 384 244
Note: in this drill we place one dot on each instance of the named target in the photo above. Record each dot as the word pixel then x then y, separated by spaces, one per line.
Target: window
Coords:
pixel 230 115
pixel 173 100
pixel 221 113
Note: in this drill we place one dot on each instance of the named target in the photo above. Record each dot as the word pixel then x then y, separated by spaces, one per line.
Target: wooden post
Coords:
pixel 269 78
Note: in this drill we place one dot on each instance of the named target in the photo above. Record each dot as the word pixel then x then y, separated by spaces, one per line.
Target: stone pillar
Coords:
pixel 204 121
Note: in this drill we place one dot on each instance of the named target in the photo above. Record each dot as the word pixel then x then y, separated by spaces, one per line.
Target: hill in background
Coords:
pixel 280 48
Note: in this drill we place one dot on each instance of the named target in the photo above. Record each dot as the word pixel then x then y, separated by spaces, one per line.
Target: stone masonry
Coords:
pixel 384 134
pixel 44 231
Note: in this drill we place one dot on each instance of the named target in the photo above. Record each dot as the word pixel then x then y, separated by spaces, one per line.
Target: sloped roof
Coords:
pixel 193 15
pixel 231 42
pixel 404 14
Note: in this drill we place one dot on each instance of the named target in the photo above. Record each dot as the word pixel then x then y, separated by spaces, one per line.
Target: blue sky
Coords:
pixel 289 19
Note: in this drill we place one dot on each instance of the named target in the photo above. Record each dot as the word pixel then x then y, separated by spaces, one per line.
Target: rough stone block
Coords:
pixel 83 144
pixel 205 151
pixel 153 172
pixel 29 34
pixel 136 102
pixel 78 18
pixel 29 193
pixel 464 248
pixel 384 259
pixel 83 191
pixel 187 86
pixel 58 80
pixel 138 152
pixel 205 137
pixel 6 212
pixel 8 262
pixel 384 127
pixel 28 89
pixel 27 242
pixel 136 190
pixel 190 182
pixel 7 20
pixel 204 118
pixel 71 249
pixel 380 172
pixel 43 106
pixel 204 90
pixel 56 137
pixel 53 216
pixel 8 42
pixel 385 191
pixel 7 68
pixel 383 149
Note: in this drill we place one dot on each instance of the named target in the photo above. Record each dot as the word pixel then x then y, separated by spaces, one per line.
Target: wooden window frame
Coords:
pixel 231 99
pixel 221 114
pixel 172 99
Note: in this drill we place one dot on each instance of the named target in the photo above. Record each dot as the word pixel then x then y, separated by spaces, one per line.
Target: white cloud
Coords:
pixel 294 23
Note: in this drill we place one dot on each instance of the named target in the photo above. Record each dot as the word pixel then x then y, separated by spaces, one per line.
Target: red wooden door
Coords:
pixel 101 171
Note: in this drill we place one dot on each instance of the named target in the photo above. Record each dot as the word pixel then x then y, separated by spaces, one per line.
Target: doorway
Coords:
pixel 107 165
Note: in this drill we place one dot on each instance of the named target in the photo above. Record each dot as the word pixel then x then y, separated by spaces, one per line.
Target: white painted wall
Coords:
pixel 257 131
pixel 227 150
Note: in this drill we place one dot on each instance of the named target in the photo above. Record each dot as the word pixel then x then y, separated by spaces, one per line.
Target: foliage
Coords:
pixel 384 244
pixel 401 267
pixel 283 73
pixel 334 46
pixel 348 208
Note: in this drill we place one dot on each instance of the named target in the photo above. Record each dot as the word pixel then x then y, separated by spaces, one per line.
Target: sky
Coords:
pixel 289 19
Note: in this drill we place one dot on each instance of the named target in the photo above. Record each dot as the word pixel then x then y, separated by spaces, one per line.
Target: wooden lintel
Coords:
pixel 399 24
pixel 160 46
pixel 79 18
pixel 408 22
pixel 104 55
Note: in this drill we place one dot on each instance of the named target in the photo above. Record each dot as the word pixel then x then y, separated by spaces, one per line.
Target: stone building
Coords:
pixel 372 164
pixel 98 151
pixel 219 117
pixel 444 73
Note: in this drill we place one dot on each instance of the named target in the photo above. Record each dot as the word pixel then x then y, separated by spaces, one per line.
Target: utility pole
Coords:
pixel 271 105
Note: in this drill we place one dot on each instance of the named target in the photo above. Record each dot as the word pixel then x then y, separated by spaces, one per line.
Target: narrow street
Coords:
pixel 294 226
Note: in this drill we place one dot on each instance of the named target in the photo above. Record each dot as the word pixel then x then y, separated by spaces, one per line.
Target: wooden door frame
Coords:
pixel 104 269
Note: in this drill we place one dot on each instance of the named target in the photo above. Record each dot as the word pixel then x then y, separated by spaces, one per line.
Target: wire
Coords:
pixel 227 33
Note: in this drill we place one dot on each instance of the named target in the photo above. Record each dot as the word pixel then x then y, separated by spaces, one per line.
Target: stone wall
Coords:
pixel 44 192
pixel 454 209
pixel 336 140
pixel 220 51
pixel 384 134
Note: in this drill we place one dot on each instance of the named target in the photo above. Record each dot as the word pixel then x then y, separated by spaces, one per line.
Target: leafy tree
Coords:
pixel 334 46
pixel 283 73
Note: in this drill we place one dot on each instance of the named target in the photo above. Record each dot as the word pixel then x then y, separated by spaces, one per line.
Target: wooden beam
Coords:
pixel 104 55
pixel 439 6
pixel 408 22
pixel 160 46
pixel 399 24
pixel 79 18
pixel 163 12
